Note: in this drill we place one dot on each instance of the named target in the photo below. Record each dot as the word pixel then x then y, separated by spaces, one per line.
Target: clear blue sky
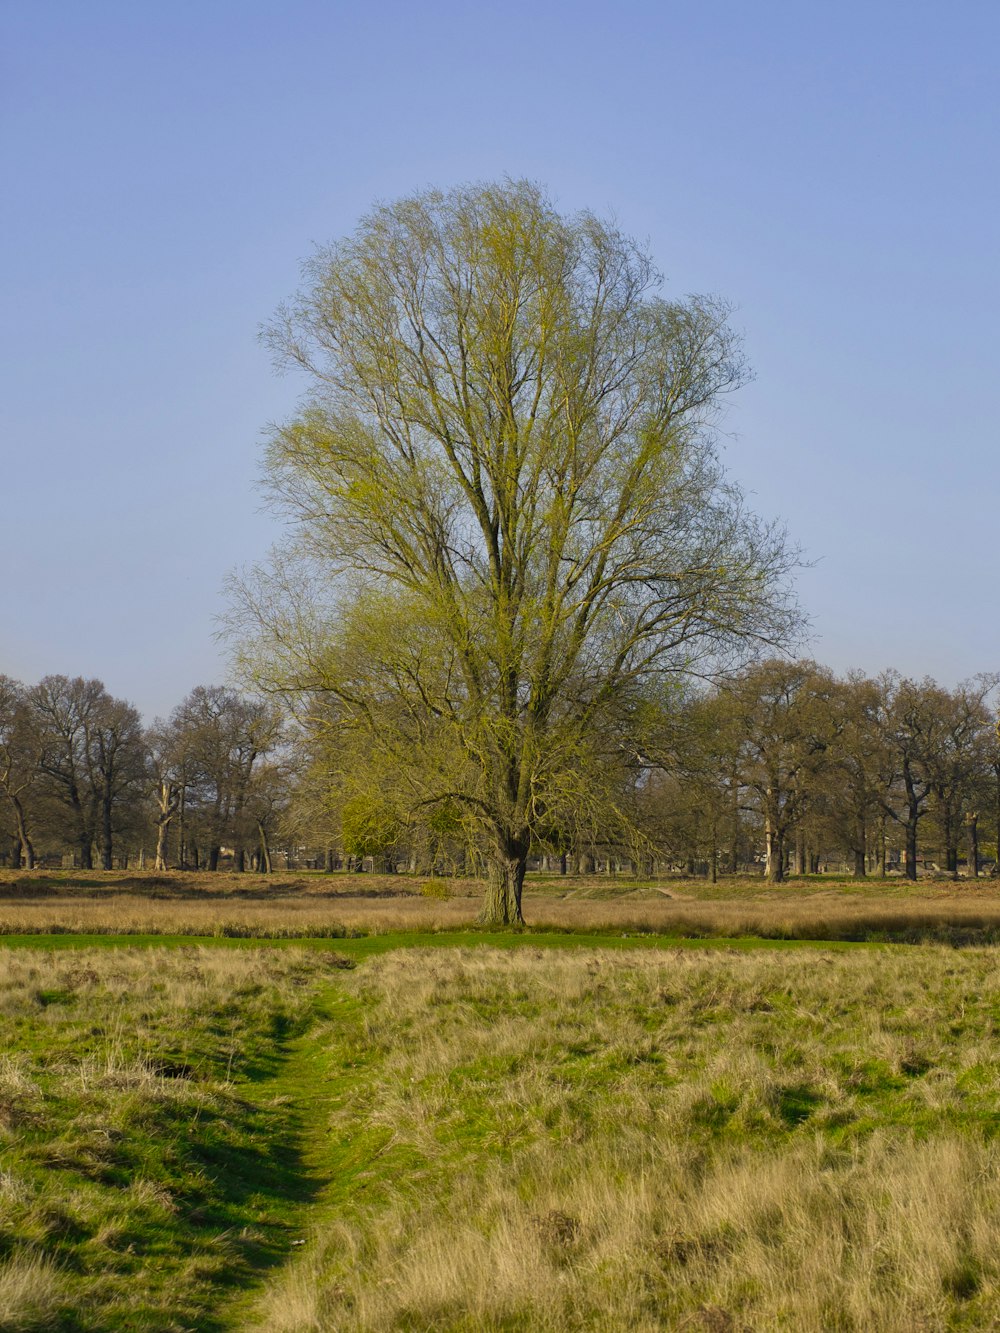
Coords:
pixel 829 168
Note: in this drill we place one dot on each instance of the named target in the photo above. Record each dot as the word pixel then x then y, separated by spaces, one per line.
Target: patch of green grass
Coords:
pixel 367 946
pixel 138 1180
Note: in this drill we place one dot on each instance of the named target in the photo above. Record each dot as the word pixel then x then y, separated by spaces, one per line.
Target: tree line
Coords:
pixel 782 767
pixel 82 777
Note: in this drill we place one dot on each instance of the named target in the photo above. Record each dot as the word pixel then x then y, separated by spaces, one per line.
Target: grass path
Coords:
pixel 317 1071
pixel 320 1069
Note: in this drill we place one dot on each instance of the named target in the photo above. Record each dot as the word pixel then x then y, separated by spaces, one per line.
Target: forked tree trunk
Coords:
pixel 162 830
pixel 169 799
pixel 265 850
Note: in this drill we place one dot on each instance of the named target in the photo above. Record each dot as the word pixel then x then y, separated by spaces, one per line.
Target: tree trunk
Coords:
pixel 265 851
pixel 107 800
pixel 911 848
pixel 774 853
pixel 801 855
pixel 182 847
pixel 912 819
pixel 505 868
pixel 162 830
pixel 328 863
pixel 26 852
pixel 213 857
pixel 859 863
pixel 951 836
pixel 973 846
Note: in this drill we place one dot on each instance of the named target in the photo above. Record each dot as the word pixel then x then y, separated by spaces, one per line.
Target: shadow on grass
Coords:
pixel 240 1189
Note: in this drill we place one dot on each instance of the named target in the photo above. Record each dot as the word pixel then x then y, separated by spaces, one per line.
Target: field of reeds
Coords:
pixel 291 906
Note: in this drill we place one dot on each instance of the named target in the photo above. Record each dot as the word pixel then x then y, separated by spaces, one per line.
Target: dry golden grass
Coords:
pixel 31 1292
pixel 681 1141
pixel 194 904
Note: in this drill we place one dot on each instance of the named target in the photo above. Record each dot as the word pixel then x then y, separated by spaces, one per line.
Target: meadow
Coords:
pixel 707 1133
pixel 310 905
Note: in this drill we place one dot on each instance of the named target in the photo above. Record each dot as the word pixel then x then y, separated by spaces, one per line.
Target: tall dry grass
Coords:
pixel 31 1293
pixel 957 917
pixel 720 1142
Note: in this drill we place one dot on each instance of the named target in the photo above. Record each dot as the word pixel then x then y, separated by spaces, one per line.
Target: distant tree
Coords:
pixel 959 762
pixel 701 753
pixel 785 715
pixel 266 808
pixel 862 768
pixel 19 757
pixel 91 757
pixel 509 517
pixel 221 737
pixel 167 782
pixel 916 722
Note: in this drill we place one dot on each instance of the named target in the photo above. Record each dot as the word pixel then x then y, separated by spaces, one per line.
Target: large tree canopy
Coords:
pixel 509 528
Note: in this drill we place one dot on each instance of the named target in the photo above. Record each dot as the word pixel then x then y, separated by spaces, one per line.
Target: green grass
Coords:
pixel 138 1180
pixel 497 1131
pixel 367 946
pixel 588 1140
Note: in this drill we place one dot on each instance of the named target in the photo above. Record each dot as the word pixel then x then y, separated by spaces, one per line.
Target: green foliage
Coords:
pixel 507 518
pixel 369 827
pixel 435 888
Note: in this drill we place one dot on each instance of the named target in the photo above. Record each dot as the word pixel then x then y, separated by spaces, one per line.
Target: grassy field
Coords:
pixel 316 905
pixel 671 1106
pixel 536 1137
pixel 662 1140
pixel 138 1182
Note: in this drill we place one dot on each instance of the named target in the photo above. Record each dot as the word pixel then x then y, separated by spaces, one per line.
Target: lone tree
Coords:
pixel 508 527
